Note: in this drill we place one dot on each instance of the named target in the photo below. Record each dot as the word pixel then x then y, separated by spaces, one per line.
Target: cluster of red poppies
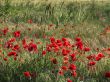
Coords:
pixel 70 52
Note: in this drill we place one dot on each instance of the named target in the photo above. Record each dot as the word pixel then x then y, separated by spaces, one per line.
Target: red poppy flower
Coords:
pixel 5 59
pixel 74 74
pixel 52 39
pixel 64 39
pixel 54 44
pixel 25 46
pixel 24 41
pixel 107 74
pixel 90 57
pixel 32 47
pixel 65 52
pixel 17 34
pixel 12 40
pixel 5 30
pixel 72 67
pixel 60 72
pixel 15 58
pixel 79 45
pixel 98 58
pixel 48 48
pixel 56 49
pixel 60 44
pixel 43 52
pixel 78 39
pixel 8 45
pixel 27 74
pixel 12 53
pixel 66 43
pixel 73 55
pixel 100 55
pixel 86 49
pixel 69 80
pixel 91 63
pixel 16 47
pixel 108 49
pixel 74 59
pixel 58 41
pixel 64 68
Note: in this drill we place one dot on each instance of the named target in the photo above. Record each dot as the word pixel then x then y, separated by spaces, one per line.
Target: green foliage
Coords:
pixel 45 12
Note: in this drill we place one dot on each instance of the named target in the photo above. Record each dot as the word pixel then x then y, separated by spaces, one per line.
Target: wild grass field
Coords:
pixel 54 41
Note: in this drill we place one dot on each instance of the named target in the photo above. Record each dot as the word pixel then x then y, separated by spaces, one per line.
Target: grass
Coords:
pixel 46 12
pixel 38 23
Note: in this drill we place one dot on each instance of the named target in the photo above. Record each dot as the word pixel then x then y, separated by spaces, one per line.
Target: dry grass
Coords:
pixel 52 1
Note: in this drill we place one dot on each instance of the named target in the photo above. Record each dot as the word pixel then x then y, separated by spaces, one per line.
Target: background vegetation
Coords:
pixel 89 20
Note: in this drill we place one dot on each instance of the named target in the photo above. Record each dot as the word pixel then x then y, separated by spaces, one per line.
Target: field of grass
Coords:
pixel 48 42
